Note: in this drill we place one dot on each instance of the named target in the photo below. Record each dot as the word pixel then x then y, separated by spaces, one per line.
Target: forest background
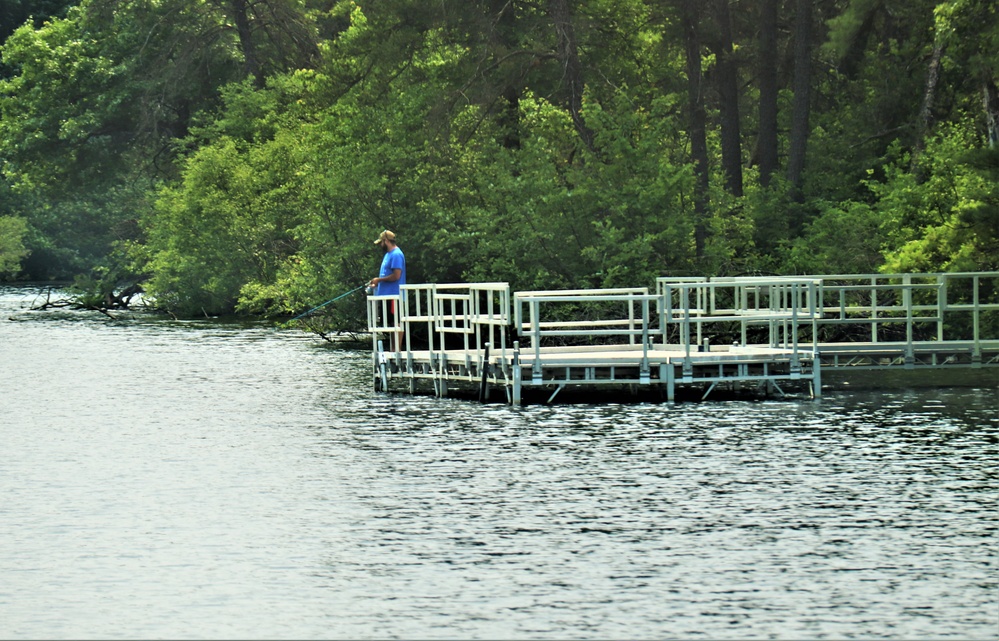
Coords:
pixel 242 155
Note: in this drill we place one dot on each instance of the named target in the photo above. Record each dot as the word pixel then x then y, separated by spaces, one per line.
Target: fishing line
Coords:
pixel 332 300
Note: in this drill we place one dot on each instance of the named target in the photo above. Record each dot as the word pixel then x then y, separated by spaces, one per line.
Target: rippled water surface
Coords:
pixel 199 480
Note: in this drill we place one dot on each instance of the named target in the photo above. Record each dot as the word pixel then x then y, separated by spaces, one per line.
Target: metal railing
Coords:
pixel 609 313
pixel 786 308
pixel 882 299
pixel 795 313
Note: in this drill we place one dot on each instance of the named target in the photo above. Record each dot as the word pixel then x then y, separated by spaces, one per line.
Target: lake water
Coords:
pixel 207 480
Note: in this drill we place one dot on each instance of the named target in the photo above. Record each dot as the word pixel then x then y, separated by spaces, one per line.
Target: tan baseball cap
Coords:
pixel 385 235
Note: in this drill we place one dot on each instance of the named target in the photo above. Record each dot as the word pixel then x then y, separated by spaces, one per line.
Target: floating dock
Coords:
pixel 695 334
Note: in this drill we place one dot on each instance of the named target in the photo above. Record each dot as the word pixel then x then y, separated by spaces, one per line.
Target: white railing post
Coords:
pixel 976 352
pixel 941 304
pixel 910 354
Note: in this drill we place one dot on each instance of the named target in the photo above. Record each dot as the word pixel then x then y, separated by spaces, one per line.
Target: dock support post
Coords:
pixel 382 367
pixel 517 374
pixel 670 382
pixel 433 375
pixel 816 377
pixel 687 371
pixel 484 385
pixel 374 364
pixel 443 386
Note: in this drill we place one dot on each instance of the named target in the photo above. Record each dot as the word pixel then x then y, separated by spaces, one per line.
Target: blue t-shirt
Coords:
pixel 393 260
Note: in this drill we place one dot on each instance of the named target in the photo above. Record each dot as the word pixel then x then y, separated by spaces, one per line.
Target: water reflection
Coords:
pixel 205 480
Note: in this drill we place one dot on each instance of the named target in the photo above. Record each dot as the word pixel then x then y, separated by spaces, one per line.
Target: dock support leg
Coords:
pixel 517 374
pixel 484 370
pixel 382 367
pixel 443 386
pixel 816 378
pixel 670 383
pixel 434 376
pixel 374 364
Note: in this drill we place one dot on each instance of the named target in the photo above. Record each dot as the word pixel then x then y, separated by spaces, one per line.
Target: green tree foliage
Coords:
pixel 90 120
pixel 245 153
pixel 14 13
pixel 12 248
pixel 949 220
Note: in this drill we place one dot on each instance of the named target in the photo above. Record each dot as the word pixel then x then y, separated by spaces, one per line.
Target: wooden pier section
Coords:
pixel 695 334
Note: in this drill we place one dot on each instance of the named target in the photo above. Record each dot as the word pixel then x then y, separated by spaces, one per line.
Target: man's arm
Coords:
pixel 391 278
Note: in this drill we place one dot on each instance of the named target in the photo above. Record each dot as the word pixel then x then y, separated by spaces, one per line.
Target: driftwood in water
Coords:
pixel 103 303
pixel 330 328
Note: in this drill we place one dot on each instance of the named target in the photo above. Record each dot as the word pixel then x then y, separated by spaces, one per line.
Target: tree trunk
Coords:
pixel 929 95
pixel 990 100
pixel 509 119
pixel 239 10
pixel 767 137
pixel 698 135
pixel 802 85
pixel 501 27
pixel 728 92
pixel 853 56
pixel 572 70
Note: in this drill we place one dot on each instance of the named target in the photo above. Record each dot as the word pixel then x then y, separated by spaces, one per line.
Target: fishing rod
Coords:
pixel 332 300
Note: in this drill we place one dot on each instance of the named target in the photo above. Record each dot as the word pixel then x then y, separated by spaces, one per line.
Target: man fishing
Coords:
pixel 393 270
pixel 391 275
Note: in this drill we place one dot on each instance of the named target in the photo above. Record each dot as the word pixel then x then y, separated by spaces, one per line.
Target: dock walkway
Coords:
pixel 699 333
